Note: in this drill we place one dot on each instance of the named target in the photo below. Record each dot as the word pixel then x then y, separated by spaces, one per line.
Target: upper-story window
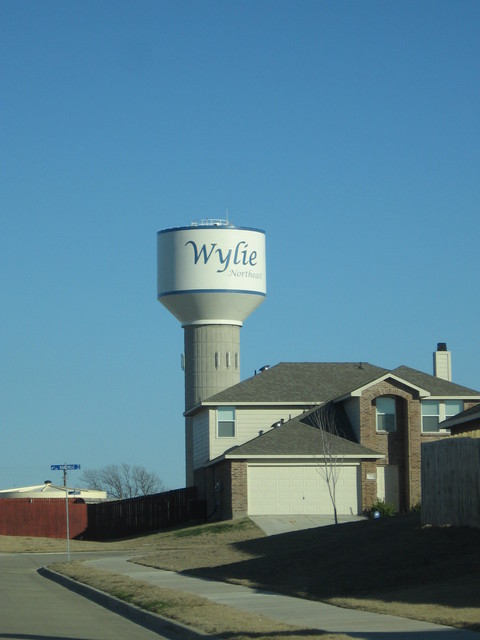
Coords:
pixel 386 416
pixel 452 407
pixel 430 415
pixel 435 411
pixel 226 422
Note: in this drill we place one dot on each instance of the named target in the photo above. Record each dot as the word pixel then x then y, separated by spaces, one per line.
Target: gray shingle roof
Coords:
pixel 436 386
pixel 307 382
pixel 295 438
pixel 318 382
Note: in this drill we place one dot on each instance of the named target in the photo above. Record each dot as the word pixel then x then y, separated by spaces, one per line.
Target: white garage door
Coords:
pixel 299 489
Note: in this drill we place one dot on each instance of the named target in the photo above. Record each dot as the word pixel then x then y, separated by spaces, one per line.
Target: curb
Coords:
pixel 152 621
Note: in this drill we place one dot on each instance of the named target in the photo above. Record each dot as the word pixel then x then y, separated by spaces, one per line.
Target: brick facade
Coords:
pixel 368 473
pixel 401 447
pixel 225 489
pixel 239 488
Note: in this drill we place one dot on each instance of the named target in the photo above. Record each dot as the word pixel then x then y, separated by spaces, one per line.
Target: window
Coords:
pixel 435 411
pixel 386 420
pixel 452 407
pixel 430 416
pixel 226 422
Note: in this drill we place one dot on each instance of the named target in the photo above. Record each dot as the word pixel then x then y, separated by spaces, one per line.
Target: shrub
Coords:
pixel 380 507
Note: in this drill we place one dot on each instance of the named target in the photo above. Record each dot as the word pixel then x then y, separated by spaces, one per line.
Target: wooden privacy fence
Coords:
pixel 42 517
pixel 46 517
pixel 451 482
pixel 145 513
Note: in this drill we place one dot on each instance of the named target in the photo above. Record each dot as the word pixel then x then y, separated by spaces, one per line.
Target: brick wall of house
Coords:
pixel 368 472
pixel 401 447
pixel 226 489
pixel 239 488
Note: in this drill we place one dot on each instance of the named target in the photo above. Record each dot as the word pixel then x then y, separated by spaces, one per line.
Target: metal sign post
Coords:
pixel 64 467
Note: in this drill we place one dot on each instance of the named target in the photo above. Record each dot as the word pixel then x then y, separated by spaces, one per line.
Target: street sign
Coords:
pixel 63 467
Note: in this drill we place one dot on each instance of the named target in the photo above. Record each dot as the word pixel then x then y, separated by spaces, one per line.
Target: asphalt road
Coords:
pixel 34 608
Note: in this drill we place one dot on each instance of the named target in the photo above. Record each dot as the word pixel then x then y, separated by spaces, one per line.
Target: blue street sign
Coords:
pixel 65 468
pixel 62 467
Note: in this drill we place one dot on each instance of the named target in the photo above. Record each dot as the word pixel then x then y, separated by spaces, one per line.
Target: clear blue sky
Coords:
pixel 348 131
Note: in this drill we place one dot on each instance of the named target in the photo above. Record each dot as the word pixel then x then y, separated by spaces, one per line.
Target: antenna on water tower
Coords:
pixel 211 276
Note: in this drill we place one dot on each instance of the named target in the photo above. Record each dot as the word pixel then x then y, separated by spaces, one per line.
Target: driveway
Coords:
pixel 272 525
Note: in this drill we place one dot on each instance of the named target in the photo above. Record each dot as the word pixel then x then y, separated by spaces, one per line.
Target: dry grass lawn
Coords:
pixel 200 613
pixel 391 565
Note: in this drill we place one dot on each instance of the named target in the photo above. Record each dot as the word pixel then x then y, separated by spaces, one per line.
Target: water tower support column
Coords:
pixel 212 364
pixel 212 360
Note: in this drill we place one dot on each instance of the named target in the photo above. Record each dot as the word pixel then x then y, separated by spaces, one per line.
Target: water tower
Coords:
pixel 211 277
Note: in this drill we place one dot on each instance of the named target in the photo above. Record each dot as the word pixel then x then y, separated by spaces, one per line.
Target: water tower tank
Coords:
pixel 211 272
pixel 211 277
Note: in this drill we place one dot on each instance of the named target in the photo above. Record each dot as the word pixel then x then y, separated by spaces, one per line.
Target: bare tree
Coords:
pixel 332 458
pixel 146 482
pixel 123 481
pixel 92 479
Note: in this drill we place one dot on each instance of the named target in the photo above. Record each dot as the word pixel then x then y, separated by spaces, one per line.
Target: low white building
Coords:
pixel 49 490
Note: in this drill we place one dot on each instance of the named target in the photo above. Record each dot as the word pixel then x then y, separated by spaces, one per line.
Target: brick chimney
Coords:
pixel 442 362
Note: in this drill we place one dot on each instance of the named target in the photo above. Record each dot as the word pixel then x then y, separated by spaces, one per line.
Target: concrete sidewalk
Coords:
pixel 295 611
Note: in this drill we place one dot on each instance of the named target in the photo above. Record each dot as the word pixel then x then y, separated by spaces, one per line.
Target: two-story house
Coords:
pixel 258 446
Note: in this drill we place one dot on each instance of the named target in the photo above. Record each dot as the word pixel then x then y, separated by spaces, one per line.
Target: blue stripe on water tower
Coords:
pixel 190 291
pixel 211 227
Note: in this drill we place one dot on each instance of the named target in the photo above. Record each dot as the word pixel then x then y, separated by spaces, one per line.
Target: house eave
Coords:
pixel 314 458
pixel 454 421
pixel 450 397
pixel 423 393
pixel 253 403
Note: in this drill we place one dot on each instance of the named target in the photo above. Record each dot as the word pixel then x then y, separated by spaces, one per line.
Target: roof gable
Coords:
pixel 434 385
pixel 425 384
